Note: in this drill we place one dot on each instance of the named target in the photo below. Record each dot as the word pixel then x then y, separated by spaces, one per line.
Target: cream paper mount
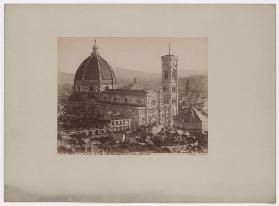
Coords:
pixel 240 163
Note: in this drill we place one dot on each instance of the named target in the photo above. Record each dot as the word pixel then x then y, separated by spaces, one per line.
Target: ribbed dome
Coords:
pixel 94 67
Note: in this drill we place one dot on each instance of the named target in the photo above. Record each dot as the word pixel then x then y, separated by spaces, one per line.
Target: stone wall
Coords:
pixel 150 100
pixel 124 99
pixel 78 108
pixel 92 85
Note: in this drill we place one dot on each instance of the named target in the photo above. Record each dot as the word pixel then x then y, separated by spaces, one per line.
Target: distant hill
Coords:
pixel 198 83
pixel 123 76
pixel 126 76
pixel 65 78
pixel 185 72
pixel 122 73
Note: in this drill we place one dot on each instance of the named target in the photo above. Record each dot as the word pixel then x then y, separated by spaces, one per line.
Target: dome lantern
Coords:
pixel 95 49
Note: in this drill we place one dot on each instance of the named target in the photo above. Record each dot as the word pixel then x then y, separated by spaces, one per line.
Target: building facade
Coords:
pixel 139 105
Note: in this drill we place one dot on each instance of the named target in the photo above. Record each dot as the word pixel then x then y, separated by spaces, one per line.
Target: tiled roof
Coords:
pixel 201 116
pixel 117 116
pixel 89 123
pixel 126 92
pixel 190 115
pixel 94 67
pixel 122 104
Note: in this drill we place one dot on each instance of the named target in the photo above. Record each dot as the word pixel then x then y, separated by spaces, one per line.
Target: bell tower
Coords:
pixel 170 87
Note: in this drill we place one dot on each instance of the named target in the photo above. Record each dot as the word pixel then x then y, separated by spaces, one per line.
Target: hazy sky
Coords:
pixel 143 54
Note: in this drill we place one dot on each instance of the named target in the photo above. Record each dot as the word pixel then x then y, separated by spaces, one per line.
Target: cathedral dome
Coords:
pixel 95 67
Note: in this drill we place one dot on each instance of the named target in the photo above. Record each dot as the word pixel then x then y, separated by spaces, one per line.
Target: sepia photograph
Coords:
pixel 132 95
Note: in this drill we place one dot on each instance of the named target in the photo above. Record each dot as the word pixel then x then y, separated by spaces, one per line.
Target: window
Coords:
pixel 174 89
pixel 166 75
pixel 114 99
pixel 174 101
pixel 105 98
pixel 126 100
pixel 78 89
pixel 91 88
pixel 165 89
pixel 138 101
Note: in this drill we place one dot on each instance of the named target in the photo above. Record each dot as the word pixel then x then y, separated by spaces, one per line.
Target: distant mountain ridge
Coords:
pixel 65 78
pixel 123 73
pixel 127 75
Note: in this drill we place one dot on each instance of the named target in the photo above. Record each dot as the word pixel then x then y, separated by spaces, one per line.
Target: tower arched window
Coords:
pixel 174 74
pixel 78 88
pixel 167 101
pixel 166 75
